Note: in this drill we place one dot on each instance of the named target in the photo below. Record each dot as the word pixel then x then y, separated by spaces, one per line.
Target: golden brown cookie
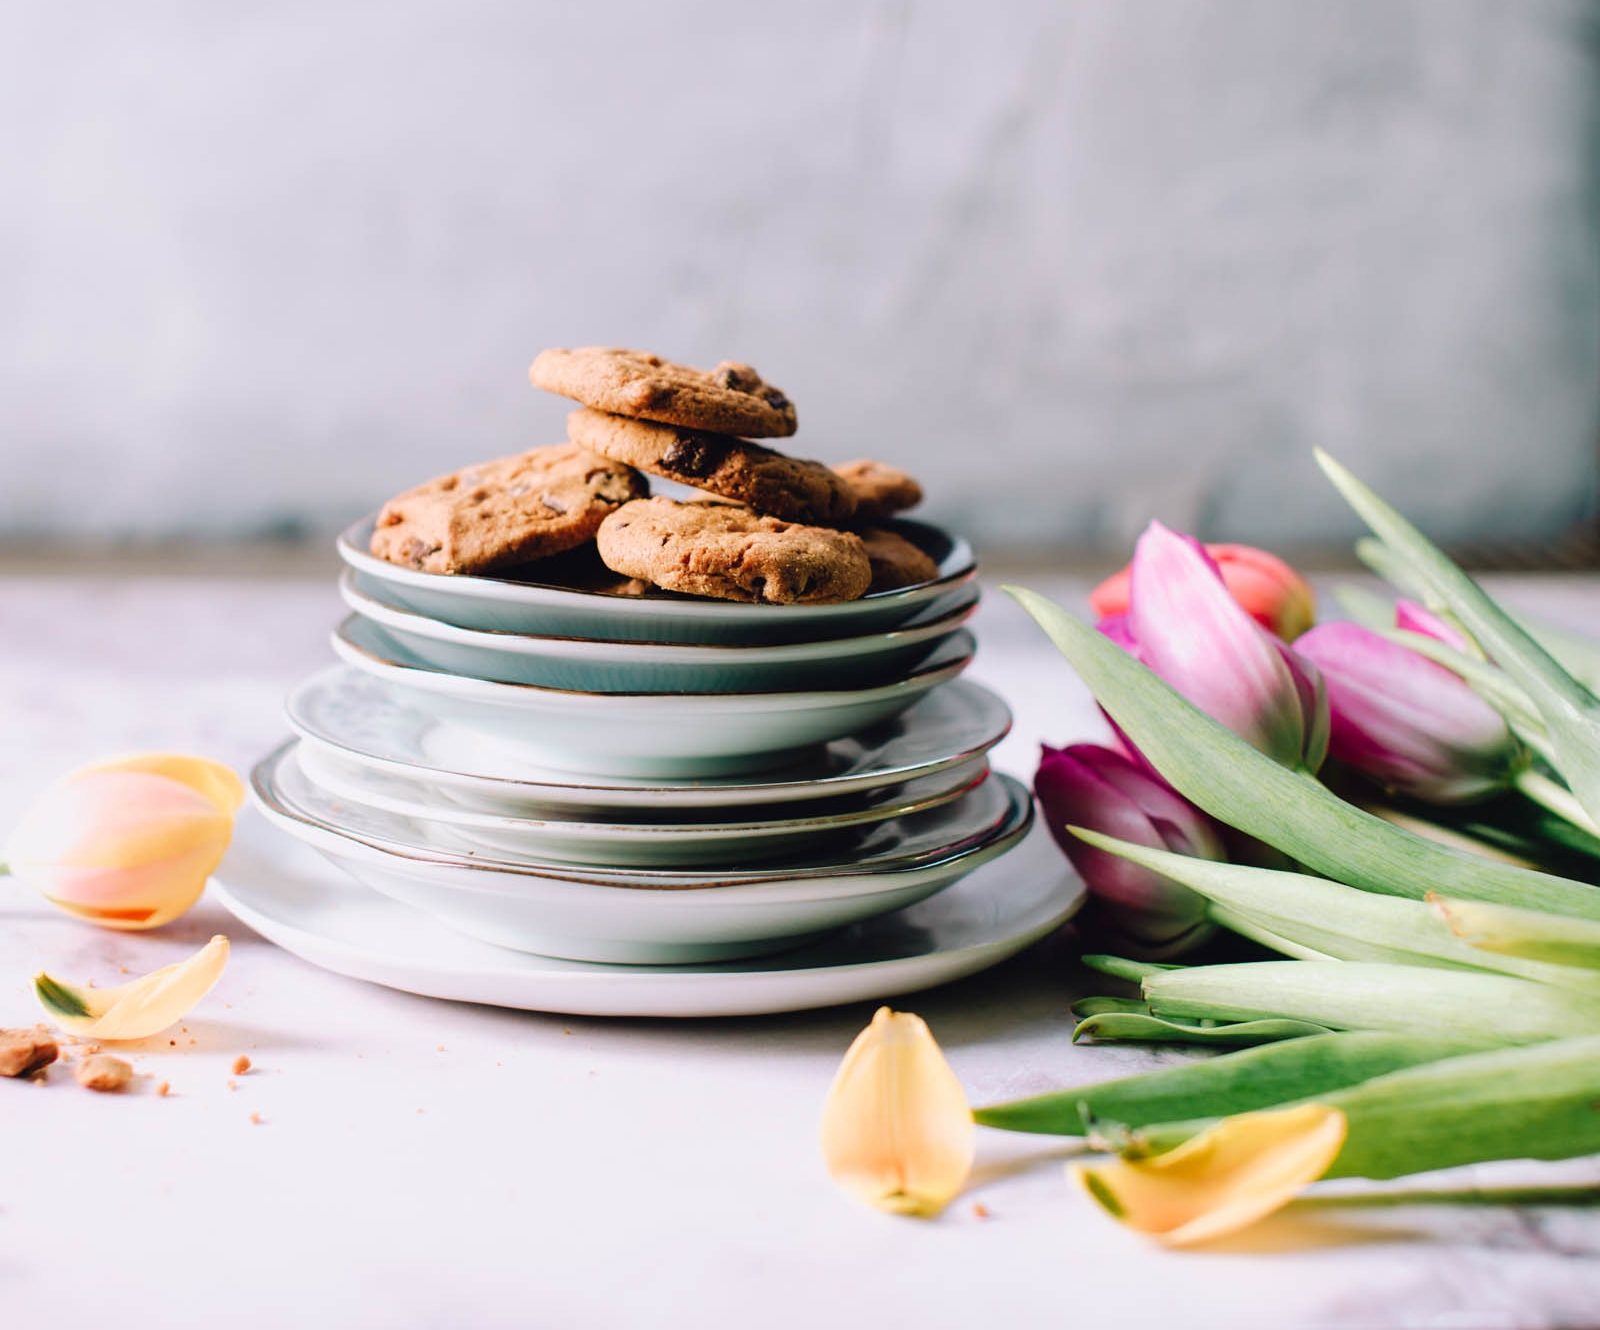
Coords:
pixel 895 561
pixel 727 551
pixel 730 399
pixel 792 488
pixel 881 490
pixel 504 512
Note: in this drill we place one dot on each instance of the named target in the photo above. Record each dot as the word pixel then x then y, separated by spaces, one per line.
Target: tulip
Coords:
pixel 1406 722
pixel 1415 618
pixel 1226 1178
pixel 1101 790
pixel 139 1008
pixel 128 844
pixel 1186 627
pixel 1273 594
pixel 896 1128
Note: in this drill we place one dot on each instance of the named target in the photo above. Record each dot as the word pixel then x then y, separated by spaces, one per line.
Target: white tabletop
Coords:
pixel 424 1164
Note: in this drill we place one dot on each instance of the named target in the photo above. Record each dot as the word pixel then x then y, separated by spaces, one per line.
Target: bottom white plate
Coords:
pixel 292 896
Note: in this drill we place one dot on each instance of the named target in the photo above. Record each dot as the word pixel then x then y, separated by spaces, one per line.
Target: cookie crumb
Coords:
pixel 256 1119
pixel 102 1072
pixel 233 1085
pixel 23 1052
pixel 438 1048
pixel 164 1089
pixel 241 1064
pixel 980 1210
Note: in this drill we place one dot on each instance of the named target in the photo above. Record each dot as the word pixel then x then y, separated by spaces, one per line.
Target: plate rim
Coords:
pixel 1013 820
pixel 654 652
pixel 707 991
pixel 528 696
pixel 462 815
pixel 684 793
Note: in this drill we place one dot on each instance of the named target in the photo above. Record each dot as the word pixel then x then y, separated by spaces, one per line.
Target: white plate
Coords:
pixel 559 606
pixel 295 898
pixel 655 844
pixel 648 734
pixel 599 666
pixel 367 721
pixel 657 918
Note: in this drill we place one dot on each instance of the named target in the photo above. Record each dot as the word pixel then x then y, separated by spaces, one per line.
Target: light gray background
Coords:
pixel 1077 263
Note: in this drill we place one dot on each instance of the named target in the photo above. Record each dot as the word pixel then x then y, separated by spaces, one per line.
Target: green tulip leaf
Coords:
pixel 1142 1028
pixel 1232 1083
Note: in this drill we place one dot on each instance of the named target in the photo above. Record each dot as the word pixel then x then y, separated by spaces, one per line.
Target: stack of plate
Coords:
pixel 574 769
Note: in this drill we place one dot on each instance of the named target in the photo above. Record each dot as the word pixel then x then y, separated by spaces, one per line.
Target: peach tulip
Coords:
pixel 1272 593
pixel 128 844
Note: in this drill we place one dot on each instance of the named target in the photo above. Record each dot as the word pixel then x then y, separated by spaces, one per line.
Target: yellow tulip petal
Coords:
pixel 896 1128
pixel 140 1008
pixel 1224 1179
pixel 217 783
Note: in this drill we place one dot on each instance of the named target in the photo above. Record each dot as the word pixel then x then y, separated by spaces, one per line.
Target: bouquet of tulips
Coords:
pixel 1402 807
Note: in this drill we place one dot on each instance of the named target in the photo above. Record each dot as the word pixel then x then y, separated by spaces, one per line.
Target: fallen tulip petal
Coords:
pixel 137 1009
pixel 897 1130
pixel 1232 1174
pixel 213 781
pixel 128 844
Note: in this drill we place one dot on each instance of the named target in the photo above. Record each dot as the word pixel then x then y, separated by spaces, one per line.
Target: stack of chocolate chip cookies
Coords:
pixel 774 528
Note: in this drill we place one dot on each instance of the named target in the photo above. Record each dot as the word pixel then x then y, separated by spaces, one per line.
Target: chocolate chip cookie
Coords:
pixel 792 488
pixel 730 399
pixel 504 512
pixel 895 561
pixel 725 550
pixel 881 490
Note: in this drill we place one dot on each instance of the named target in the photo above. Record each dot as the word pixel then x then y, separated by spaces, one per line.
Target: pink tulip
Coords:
pixel 1415 618
pixel 1184 625
pixel 1269 590
pixel 128 844
pixel 1086 785
pixel 1405 721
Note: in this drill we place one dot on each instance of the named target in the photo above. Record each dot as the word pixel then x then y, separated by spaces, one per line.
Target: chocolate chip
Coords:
pixel 694 454
pixel 775 399
pixel 731 374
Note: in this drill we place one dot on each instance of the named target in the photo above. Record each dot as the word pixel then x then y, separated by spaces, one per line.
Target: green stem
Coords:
pixel 1555 798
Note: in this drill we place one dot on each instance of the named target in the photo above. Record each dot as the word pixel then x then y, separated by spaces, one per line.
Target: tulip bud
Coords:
pixel 1268 589
pixel 1406 722
pixel 1190 631
pixel 1098 789
pixel 896 1128
pixel 128 844
pixel 1415 618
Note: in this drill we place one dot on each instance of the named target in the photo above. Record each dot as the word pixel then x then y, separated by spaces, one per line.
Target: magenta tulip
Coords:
pixel 1405 721
pixel 1186 626
pixel 1086 785
pixel 1415 618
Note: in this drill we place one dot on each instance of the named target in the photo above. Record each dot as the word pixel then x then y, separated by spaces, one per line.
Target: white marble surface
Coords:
pixel 422 1164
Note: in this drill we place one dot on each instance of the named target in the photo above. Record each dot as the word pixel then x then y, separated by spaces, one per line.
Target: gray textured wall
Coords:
pixel 1076 262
